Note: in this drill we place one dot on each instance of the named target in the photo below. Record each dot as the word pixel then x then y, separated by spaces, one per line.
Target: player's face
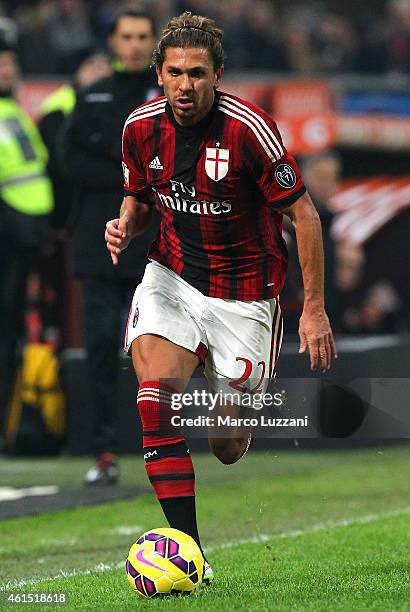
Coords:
pixel 133 43
pixel 189 80
pixel 8 70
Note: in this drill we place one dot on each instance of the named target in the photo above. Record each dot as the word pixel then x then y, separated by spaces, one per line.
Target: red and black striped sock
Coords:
pixel 167 459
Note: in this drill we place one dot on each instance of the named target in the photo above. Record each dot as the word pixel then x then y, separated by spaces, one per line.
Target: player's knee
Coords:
pixel 228 458
pixel 227 452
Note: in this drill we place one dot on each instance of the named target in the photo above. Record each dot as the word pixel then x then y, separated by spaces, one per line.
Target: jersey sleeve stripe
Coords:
pixel 267 150
pixel 144 116
pixel 262 132
pixel 131 119
pixel 147 107
pixel 258 119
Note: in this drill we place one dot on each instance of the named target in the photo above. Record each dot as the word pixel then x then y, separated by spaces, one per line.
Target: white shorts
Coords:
pixel 235 340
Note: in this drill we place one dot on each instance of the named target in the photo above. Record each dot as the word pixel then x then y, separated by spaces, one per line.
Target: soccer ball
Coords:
pixel 164 562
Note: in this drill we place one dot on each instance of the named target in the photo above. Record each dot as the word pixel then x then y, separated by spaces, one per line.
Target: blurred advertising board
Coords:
pixel 305 110
pixel 374 131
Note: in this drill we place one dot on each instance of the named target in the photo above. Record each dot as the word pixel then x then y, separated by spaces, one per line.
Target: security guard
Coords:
pixel 26 201
pixel 91 156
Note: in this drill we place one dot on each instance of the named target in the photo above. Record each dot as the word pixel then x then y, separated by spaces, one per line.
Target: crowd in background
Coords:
pixel 284 36
pixel 60 179
pixel 69 38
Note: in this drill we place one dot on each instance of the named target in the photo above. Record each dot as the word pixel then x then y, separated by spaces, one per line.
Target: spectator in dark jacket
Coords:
pixel 91 156
pixel 54 109
pixel 53 264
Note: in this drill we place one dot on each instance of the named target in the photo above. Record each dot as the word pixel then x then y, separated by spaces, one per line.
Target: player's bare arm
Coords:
pixel 134 219
pixel 314 328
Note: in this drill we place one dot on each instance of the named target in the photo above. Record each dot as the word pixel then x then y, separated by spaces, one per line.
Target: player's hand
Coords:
pixel 117 237
pixel 316 336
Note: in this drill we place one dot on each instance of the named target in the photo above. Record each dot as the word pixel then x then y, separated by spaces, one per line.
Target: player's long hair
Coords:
pixel 189 30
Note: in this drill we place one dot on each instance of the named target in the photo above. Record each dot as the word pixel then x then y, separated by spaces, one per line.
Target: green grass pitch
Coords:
pixel 284 530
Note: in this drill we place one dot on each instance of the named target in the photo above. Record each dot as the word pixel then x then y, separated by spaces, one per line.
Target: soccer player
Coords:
pixel 214 164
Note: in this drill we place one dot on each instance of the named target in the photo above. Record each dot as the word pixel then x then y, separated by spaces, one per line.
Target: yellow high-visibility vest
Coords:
pixel 24 184
pixel 62 99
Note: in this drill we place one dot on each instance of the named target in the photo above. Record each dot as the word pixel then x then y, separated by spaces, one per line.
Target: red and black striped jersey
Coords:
pixel 213 184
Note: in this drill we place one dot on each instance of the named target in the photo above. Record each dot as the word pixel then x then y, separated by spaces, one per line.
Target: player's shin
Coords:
pixel 167 460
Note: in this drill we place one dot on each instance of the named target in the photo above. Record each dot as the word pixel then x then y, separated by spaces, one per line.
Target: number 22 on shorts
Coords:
pixel 238 383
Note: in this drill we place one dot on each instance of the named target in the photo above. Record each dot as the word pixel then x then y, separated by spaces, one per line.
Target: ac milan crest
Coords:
pixel 216 163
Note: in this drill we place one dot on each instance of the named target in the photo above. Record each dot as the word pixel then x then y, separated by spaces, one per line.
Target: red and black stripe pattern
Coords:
pixel 167 460
pixel 213 184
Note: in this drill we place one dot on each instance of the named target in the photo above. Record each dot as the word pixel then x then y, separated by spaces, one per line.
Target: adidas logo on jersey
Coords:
pixel 156 164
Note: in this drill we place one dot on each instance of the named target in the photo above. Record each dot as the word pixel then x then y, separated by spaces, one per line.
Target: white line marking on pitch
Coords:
pixel 262 537
pixel 59 542
pixel 11 493
pixel 121 530
pixel 127 530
